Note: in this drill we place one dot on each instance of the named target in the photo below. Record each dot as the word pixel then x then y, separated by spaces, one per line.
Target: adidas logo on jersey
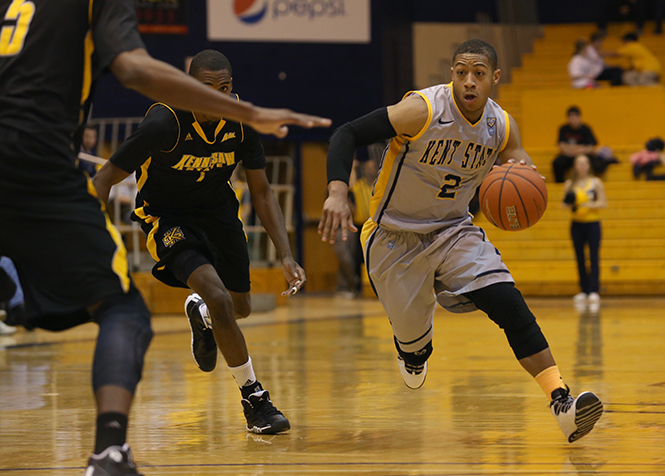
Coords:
pixel 228 135
pixel 189 137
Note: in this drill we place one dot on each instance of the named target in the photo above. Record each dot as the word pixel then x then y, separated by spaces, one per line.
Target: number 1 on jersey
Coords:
pixel 450 184
pixel 13 36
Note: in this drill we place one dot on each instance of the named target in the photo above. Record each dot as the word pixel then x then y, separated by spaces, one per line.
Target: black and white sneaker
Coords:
pixel 113 461
pixel 413 376
pixel 576 416
pixel 204 347
pixel 262 416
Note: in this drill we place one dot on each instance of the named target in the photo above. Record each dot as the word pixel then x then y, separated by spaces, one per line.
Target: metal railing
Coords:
pixel 279 170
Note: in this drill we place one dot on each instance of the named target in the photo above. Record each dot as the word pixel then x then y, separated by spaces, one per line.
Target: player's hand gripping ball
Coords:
pixel 513 197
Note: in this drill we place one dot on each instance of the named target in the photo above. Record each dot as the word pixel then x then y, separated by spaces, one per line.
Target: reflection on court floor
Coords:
pixel 331 367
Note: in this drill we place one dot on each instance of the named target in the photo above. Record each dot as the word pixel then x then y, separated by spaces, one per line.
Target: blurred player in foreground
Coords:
pixel 420 244
pixel 71 260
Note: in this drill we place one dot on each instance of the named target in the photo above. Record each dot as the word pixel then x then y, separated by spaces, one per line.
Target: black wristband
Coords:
pixel 369 129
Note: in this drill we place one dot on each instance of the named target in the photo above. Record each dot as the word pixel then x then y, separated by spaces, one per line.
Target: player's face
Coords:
pixel 473 78
pixel 219 80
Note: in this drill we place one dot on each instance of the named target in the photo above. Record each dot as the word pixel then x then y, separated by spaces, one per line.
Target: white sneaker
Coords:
pixel 594 298
pixel 414 377
pixel 6 330
pixel 580 298
pixel 576 416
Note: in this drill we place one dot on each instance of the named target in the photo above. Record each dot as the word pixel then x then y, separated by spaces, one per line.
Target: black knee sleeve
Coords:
pixel 505 305
pixel 123 340
pixel 415 358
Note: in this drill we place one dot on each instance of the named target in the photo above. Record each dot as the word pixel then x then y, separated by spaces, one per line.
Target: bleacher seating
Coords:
pixel 633 247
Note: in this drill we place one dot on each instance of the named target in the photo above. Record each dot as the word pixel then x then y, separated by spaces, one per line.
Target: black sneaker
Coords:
pixel 576 416
pixel 113 461
pixel 262 416
pixel 204 347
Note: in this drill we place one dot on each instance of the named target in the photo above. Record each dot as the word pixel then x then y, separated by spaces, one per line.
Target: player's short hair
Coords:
pixel 573 110
pixel 478 47
pixel 209 60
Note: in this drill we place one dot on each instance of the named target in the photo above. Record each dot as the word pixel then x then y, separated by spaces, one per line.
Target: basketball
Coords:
pixel 513 197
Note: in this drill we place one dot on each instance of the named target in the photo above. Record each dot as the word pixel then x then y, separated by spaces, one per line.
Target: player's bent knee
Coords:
pixel 415 358
pixel 504 305
pixel 124 337
pixel 220 305
pixel 242 308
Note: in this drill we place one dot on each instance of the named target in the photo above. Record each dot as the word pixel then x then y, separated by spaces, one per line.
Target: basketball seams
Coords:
pixel 534 185
pixel 503 180
pixel 537 201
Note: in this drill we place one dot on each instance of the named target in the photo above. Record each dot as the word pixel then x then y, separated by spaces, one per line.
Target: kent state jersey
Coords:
pixel 426 182
pixel 182 166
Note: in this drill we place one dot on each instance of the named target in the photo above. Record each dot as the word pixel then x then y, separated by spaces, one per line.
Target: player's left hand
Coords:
pixel 523 162
pixel 294 275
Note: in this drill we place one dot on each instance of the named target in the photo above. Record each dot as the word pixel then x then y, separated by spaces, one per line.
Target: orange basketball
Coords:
pixel 513 197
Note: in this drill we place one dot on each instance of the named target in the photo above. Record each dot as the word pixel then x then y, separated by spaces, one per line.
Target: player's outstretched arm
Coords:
pixel 137 70
pixel 107 177
pixel 406 118
pixel 267 209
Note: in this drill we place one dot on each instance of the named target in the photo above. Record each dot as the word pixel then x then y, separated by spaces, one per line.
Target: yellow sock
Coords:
pixel 549 380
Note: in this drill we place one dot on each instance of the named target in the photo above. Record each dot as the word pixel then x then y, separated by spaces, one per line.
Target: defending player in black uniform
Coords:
pixel 70 258
pixel 187 208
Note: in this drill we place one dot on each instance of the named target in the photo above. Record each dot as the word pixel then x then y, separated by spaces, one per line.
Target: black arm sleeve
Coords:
pixel 366 130
pixel 158 131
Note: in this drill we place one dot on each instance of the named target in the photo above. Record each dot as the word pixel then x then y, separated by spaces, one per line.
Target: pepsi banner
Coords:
pixel 319 21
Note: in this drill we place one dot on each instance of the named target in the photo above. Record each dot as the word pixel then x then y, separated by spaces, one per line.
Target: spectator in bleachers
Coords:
pixel 595 53
pixel 89 146
pixel 584 195
pixel 575 138
pixel 645 69
pixel 587 65
pixel 646 160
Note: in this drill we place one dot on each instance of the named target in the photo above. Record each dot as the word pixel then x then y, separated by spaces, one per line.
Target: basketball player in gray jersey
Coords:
pixel 420 244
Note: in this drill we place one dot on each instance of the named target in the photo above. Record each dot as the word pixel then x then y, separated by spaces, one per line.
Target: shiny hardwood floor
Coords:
pixel 330 366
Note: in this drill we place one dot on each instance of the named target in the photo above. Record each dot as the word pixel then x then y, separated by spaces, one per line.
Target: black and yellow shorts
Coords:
pixel 68 254
pixel 220 242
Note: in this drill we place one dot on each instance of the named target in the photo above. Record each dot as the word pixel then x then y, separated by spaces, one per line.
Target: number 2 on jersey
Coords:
pixel 12 36
pixel 448 191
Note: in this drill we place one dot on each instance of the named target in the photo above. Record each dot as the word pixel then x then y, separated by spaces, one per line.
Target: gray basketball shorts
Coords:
pixel 411 272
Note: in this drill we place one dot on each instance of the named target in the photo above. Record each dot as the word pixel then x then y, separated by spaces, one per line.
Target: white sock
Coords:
pixel 244 374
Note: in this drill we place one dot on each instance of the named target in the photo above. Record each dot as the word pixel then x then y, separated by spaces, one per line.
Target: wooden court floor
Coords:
pixel 330 366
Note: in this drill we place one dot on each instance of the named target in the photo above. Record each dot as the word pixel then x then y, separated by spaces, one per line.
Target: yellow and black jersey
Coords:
pixel 183 166
pixel 51 51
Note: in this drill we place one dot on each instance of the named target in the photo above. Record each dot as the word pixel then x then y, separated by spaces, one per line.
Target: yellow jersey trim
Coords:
pixel 505 139
pixel 119 263
pixel 429 115
pixel 384 175
pixel 452 94
pixel 199 129
pixel 88 49
pixel 144 173
pixel 150 242
pixel 368 228
pixel 176 120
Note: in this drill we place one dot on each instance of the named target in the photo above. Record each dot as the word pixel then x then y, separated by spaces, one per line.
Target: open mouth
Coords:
pixel 469 97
